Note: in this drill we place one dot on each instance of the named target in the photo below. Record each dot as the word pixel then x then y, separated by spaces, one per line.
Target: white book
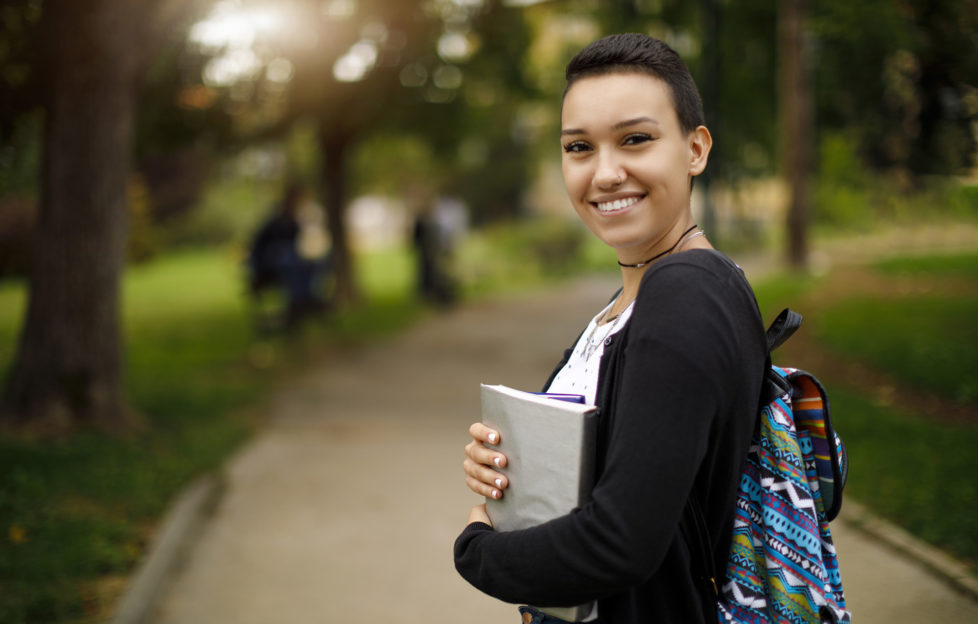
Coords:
pixel 549 446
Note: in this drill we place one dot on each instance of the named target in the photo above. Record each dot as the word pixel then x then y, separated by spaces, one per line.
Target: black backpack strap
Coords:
pixel 782 328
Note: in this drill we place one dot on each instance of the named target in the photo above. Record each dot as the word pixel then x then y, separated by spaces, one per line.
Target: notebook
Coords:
pixel 549 444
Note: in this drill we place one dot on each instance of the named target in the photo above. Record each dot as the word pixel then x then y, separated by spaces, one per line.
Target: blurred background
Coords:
pixel 408 152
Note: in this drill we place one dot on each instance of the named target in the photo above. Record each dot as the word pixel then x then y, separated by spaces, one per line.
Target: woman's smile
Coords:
pixel 616 205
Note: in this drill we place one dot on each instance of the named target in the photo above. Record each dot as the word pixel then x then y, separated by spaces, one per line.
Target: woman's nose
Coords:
pixel 609 173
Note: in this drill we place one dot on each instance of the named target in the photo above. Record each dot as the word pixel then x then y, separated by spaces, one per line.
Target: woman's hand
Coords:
pixel 481 463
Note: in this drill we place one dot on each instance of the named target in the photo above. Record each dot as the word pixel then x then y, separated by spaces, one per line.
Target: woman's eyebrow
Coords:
pixel 618 126
pixel 633 122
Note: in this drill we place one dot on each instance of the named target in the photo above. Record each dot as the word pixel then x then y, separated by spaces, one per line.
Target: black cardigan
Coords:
pixel 678 394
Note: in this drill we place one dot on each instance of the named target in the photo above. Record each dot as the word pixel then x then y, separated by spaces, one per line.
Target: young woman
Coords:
pixel 674 363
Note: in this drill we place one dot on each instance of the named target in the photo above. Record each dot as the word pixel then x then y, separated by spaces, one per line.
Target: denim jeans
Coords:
pixel 538 617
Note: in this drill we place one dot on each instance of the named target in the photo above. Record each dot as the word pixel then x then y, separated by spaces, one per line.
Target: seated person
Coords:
pixel 279 258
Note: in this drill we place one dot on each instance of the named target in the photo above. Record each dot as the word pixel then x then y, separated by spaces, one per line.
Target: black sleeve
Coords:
pixel 672 387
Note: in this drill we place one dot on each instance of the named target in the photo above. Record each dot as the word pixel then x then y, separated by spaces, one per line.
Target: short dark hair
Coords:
pixel 634 52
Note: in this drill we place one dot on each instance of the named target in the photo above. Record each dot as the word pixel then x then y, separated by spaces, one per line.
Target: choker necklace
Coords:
pixel 682 238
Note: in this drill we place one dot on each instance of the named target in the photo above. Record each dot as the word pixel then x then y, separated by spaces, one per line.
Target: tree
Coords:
pixel 68 366
pixel 359 69
pixel 796 126
pixel 892 77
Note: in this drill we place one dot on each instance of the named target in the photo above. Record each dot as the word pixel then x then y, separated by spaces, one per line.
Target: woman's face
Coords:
pixel 627 163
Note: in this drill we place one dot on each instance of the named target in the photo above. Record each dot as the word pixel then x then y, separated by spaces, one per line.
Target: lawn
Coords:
pixel 76 514
pixel 914 320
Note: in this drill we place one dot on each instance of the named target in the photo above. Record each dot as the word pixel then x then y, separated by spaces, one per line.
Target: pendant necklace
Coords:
pixel 591 345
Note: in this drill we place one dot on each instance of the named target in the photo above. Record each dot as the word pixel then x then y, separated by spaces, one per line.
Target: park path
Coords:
pixel 344 507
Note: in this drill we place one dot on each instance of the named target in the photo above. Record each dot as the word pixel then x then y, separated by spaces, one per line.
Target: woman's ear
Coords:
pixel 700 142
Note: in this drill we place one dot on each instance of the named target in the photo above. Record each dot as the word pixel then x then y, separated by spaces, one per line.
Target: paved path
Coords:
pixel 344 508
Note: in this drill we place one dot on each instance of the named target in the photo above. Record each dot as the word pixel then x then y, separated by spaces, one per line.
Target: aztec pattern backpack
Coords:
pixel 782 565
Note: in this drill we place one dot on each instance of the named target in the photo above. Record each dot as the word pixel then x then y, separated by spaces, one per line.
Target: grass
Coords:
pixel 923 332
pixel 75 514
pixel 943 266
pixel 912 468
pixel 929 342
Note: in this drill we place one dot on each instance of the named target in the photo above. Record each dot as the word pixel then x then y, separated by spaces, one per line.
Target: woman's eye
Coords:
pixel 576 147
pixel 635 139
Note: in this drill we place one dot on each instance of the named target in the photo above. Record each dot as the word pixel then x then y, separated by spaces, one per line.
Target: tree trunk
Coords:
pixel 710 16
pixel 68 368
pixel 334 150
pixel 796 126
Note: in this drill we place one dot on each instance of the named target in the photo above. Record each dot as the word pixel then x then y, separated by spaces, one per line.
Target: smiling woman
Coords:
pixel 675 371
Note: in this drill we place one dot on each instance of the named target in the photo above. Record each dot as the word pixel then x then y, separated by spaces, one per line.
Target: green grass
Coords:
pixel 926 337
pixel 79 510
pixel 916 472
pixel 913 469
pixel 929 342
pixel 943 266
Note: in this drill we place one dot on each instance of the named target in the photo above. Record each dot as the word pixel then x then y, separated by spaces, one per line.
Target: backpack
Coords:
pixel 782 565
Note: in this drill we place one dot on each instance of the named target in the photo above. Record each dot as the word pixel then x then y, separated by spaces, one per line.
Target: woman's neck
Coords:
pixel 631 278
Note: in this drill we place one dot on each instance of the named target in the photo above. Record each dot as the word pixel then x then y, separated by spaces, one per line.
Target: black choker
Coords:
pixel 639 265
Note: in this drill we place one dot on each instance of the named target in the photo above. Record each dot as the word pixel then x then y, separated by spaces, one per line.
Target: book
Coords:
pixel 549 444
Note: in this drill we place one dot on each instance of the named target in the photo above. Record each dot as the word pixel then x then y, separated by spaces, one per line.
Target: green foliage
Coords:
pixel 841 193
pixel 230 210
pixel 849 195
pixel 395 165
pixel 20 157
pixel 515 254
pixel 892 75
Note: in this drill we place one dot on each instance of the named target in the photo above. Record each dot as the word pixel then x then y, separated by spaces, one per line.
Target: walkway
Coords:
pixel 344 508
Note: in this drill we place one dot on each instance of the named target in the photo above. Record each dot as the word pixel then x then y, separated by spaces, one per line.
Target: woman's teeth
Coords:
pixel 618 204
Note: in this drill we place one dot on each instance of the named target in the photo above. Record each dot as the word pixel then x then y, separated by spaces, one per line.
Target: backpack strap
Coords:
pixel 811 414
pixel 782 328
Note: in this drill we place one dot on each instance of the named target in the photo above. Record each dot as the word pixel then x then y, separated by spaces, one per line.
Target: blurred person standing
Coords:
pixel 437 231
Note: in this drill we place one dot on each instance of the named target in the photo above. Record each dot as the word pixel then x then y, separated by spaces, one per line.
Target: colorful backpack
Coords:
pixel 782 565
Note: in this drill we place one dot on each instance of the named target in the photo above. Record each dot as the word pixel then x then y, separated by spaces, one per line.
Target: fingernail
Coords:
pixel 496 460
pixel 499 483
pixel 492 438
pixel 495 493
